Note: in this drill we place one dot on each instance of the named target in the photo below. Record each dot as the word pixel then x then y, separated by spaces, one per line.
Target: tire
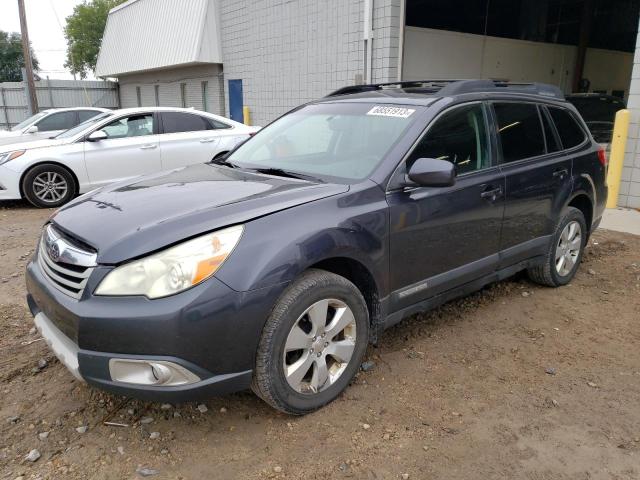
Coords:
pixel 291 324
pixel 548 273
pixel 48 186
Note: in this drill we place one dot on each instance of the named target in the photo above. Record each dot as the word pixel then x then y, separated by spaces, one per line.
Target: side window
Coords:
pixel 175 122
pixel 570 132
pixel 520 130
pixel 57 121
pixel 87 114
pixel 549 134
pixel 133 126
pixel 459 136
pixel 218 125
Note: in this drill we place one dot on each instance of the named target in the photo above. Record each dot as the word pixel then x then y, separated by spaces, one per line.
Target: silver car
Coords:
pixel 48 123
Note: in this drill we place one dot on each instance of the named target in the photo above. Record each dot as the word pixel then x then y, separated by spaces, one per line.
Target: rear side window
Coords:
pixel 218 125
pixel 57 121
pixel 87 114
pixel 175 122
pixel 571 134
pixel 520 131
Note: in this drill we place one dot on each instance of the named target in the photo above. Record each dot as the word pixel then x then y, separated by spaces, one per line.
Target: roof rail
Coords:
pixel 446 87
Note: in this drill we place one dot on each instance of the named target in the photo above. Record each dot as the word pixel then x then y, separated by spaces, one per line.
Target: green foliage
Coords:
pixel 11 58
pixel 84 30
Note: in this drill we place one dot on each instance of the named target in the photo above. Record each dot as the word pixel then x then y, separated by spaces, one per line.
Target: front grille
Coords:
pixel 66 277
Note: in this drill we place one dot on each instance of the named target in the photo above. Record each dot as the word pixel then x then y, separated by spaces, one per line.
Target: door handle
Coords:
pixel 491 194
pixel 560 173
pixel 147 147
pixel 206 140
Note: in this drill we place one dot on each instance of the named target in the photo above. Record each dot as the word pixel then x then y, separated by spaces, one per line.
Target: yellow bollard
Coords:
pixel 616 157
pixel 246 115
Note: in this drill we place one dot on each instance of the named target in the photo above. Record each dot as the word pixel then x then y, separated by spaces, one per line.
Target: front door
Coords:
pixel 447 236
pixel 538 177
pixel 130 149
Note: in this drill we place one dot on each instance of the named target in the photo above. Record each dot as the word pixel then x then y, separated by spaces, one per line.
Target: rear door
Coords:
pixel 538 179
pixel 187 138
pixel 130 149
pixel 443 237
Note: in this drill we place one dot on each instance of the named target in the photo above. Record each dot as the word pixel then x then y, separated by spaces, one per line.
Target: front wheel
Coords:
pixel 565 251
pixel 48 185
pixel 312 344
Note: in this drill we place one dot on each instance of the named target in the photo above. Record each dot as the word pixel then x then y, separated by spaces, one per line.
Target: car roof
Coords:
pixel 133 110
pixel 70 109
pixel 425 92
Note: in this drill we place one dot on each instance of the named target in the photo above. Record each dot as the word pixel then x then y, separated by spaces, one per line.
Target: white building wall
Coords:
pixel 169 93
pixel 288 53
pixel 630 186
pixel 475 56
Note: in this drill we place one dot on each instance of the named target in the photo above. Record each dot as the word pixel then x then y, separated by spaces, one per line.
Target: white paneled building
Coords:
pixel 268 55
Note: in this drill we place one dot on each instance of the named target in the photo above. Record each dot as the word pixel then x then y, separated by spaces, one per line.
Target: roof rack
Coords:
pixel 446 87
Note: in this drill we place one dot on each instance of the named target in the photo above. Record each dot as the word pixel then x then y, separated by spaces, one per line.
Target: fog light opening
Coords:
pixel 158 373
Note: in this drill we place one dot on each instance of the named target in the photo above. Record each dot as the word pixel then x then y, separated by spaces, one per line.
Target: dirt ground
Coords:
pixel 517 381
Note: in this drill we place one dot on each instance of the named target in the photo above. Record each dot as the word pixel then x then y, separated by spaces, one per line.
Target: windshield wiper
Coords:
pixel 223 161
pixel 285 173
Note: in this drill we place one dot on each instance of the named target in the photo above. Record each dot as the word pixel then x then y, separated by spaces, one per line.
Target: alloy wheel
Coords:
pixel 568 248
pixel 319 346
pixel 50 187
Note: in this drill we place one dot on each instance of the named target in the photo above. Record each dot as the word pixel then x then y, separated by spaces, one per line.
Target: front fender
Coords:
pixel 277 248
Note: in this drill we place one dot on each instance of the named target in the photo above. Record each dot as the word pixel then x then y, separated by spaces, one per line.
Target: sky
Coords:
pixel 45 21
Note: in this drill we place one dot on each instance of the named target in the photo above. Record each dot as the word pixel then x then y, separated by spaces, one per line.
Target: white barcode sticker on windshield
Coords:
pixel 385 111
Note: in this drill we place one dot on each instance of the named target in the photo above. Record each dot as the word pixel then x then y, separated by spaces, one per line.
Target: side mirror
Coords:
pixel 97 136
pixel 431 172
pixel 32 129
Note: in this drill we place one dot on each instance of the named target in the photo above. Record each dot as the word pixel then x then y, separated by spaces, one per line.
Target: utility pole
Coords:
pixel 28 64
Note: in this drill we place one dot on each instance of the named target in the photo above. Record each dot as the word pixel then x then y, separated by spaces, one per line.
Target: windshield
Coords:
pixel 340 141
pixel 28 121
pixel 83 126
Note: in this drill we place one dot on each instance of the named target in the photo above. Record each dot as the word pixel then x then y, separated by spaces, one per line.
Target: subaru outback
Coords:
pixel 274 267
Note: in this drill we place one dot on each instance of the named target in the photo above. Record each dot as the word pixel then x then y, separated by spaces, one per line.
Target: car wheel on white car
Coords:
pixel 48 186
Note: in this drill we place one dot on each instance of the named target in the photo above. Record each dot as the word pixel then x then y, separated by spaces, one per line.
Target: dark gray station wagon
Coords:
pixel 273 267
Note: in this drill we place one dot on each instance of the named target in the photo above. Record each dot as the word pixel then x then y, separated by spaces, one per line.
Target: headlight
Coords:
pixel 172 270
pixel 5 157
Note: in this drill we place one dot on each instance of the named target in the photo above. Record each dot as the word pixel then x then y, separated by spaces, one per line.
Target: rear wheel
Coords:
pixel 312 343
pixel 48 185
pixel 565 251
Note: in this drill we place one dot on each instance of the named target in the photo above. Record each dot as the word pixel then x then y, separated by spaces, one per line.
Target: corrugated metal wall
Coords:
pixel 150 34
pixel 169 81
pixel 54 94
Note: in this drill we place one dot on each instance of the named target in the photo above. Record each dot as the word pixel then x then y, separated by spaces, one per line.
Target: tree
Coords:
pixel 84 30
pixel 11 58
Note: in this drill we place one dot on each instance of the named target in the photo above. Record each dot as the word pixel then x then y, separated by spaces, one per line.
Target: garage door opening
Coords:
pixel 578 45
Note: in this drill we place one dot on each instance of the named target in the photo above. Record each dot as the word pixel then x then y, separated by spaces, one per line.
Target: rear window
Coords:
pixel 567 126
pixel 520 131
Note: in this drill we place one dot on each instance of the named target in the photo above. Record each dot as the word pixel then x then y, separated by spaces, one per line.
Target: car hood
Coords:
pixel 17 143
pixel 129 219
pixel 9 133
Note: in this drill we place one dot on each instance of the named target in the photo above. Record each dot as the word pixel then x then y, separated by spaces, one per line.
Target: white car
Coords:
pixel 48 123
pixel 111 147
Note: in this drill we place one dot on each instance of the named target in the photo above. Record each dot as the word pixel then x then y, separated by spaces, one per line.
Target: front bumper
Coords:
pixel 9 184
pixel 209 330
